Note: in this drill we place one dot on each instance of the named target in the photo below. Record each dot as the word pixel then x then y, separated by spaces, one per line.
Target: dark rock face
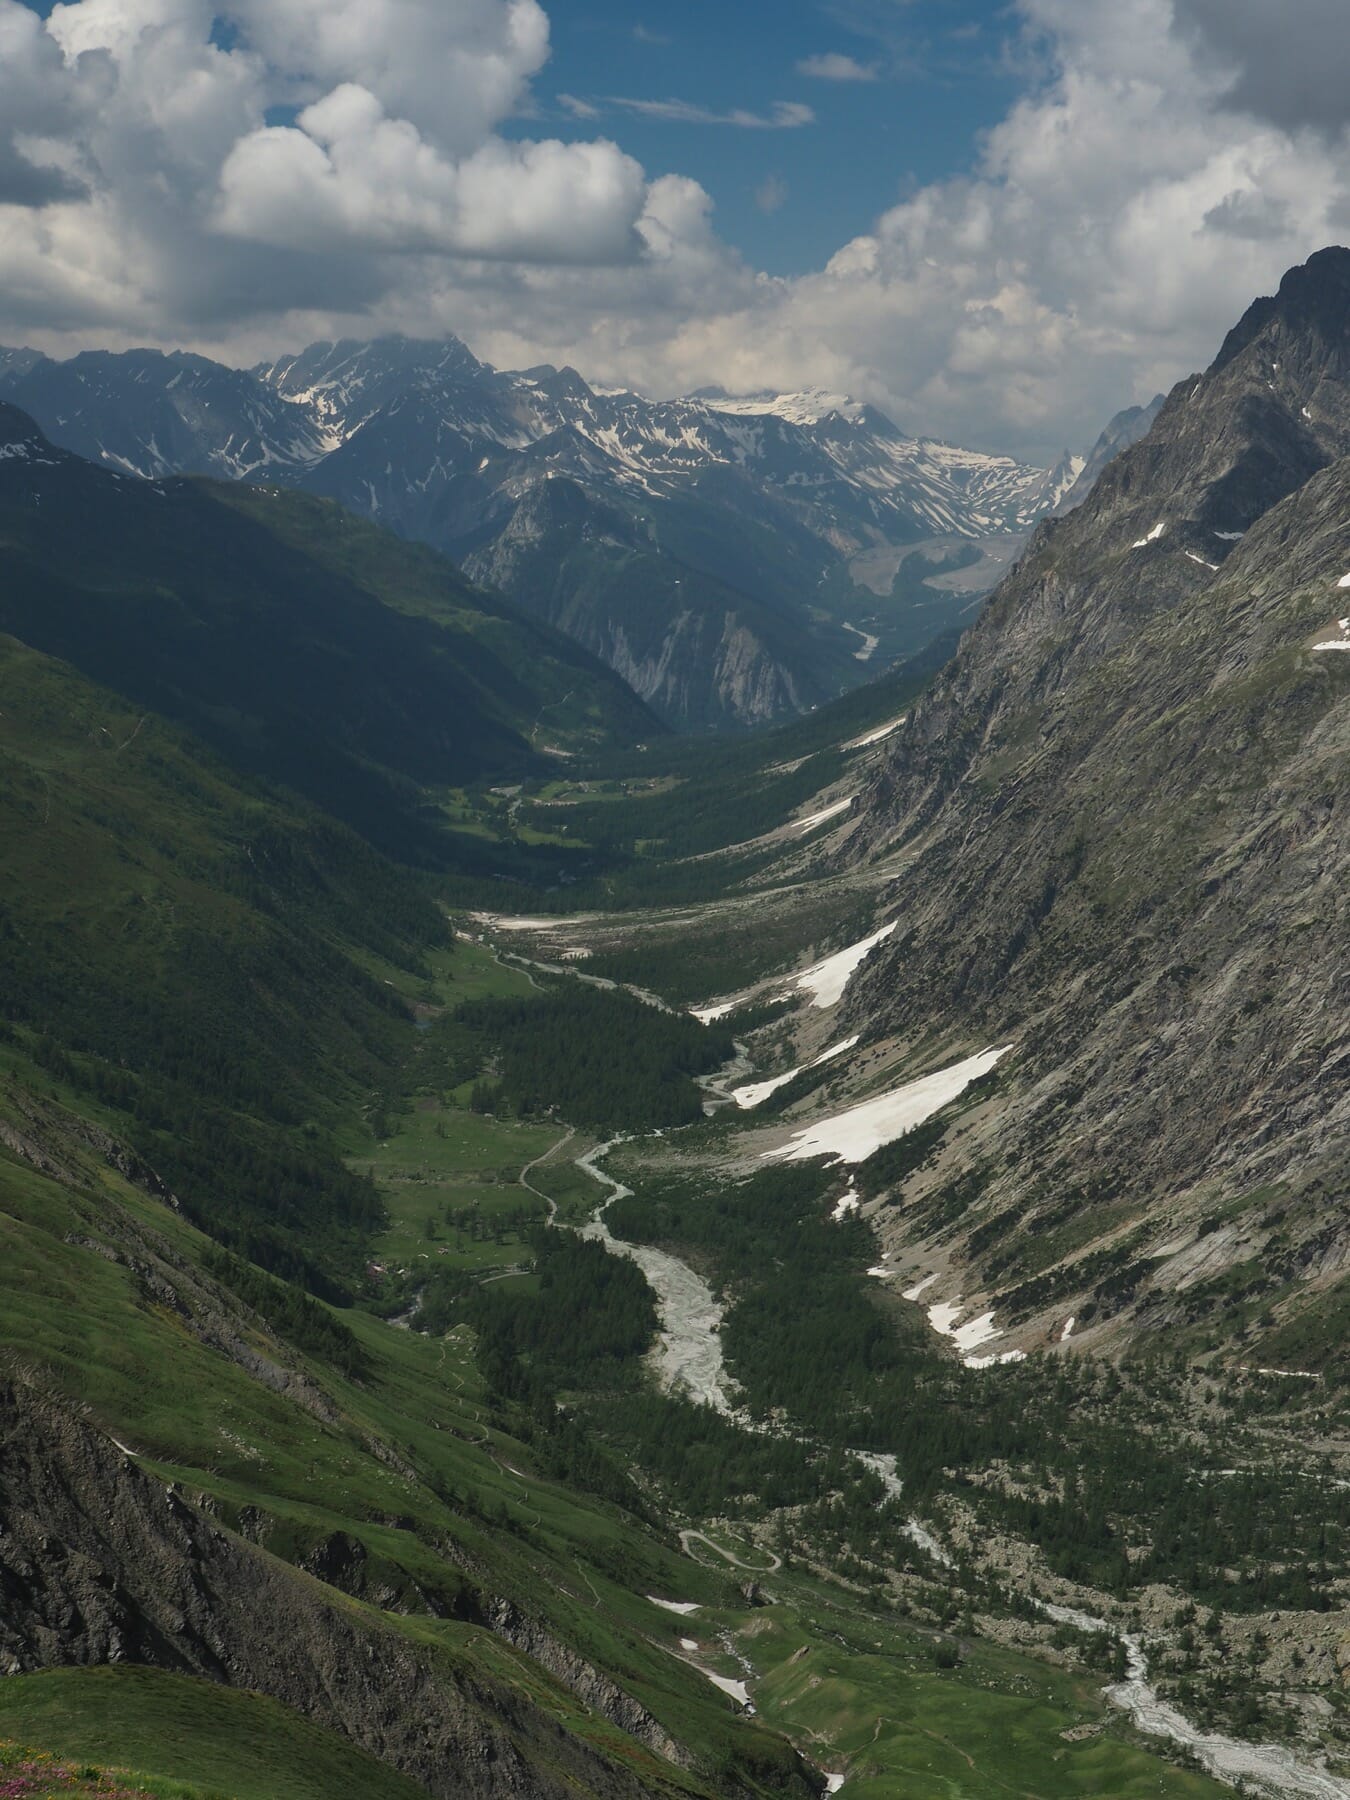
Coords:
pixel 1128 802
pixel 101 1563
pixel 1226 446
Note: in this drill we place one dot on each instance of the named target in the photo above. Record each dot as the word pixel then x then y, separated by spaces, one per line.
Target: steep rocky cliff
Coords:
pixel 1122 818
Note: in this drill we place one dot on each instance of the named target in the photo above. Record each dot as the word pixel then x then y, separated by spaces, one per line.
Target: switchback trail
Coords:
pixel 701 1537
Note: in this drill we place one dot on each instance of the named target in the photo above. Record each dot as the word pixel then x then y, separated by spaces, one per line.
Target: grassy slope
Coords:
pixel 680 800
pixel 133 852
pixel 234 1743
pixel 205 968
pixel 201 1420
pixel 574 702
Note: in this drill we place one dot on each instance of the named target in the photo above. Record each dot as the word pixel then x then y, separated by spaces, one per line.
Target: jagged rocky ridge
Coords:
pixel 1125 809
pixel 689 548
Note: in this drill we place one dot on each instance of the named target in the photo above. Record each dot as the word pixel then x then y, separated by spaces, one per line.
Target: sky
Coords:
pixel 999 222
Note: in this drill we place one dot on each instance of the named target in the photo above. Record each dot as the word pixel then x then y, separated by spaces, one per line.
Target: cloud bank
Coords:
pixel 243 177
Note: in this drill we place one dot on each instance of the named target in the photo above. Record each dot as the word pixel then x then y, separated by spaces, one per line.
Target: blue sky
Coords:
pixel 940 72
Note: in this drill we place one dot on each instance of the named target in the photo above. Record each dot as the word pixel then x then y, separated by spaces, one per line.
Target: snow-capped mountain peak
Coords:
pixel 808 407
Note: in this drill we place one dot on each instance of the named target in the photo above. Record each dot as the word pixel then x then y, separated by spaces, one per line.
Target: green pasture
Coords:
pixel 226 1742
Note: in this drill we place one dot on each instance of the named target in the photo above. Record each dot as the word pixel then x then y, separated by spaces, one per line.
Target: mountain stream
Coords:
pixel 688 1359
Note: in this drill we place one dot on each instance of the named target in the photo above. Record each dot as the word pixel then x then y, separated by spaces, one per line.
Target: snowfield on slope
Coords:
pixel 826 812
pixel 968 1337
pixel 825 981
pixel 852 1136
pixel 760 1090
pixel 874 737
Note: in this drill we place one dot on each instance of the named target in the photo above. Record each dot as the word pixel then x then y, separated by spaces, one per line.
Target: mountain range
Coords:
pixel 700 546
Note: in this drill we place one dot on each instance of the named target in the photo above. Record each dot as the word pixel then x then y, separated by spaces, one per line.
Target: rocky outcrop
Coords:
pixel 101 1563
pixel 583 1679
pixel 1126 428
pixel 1228 445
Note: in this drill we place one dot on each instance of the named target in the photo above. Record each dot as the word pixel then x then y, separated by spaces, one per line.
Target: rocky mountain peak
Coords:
pixel 1313 302
pixel 1226 446
pixel 19 432
pixel 27 457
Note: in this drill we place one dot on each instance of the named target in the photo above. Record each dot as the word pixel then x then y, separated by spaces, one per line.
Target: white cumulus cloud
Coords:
pixel 346 175
pixel 1118 220
pixel 245 175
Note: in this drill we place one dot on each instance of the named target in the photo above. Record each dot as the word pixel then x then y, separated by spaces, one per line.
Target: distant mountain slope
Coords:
pixel 1126 799
pixel 843 467
pixel 1126 428
pixel 304 644
pixel 750 507
pixel 149 414
pixel 699 651
pixel 189 957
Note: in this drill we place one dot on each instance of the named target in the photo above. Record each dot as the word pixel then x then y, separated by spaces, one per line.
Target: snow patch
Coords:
pixel 706 1015
pixel 1067 1332
pixel 806 408
pixel 825 981
pixel 683 1607
pixel 1152 537
pixel 943 1318
pixel 737 1689
pixel 920 1287
pixel 826 812
pixel 869 643
pixel 874 737
pixel 1200 559
pixel 504 922
pixel 852 1136
pixel 689 1643
pixel 760 1090
pixel 975 1332
pixel 848 1203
